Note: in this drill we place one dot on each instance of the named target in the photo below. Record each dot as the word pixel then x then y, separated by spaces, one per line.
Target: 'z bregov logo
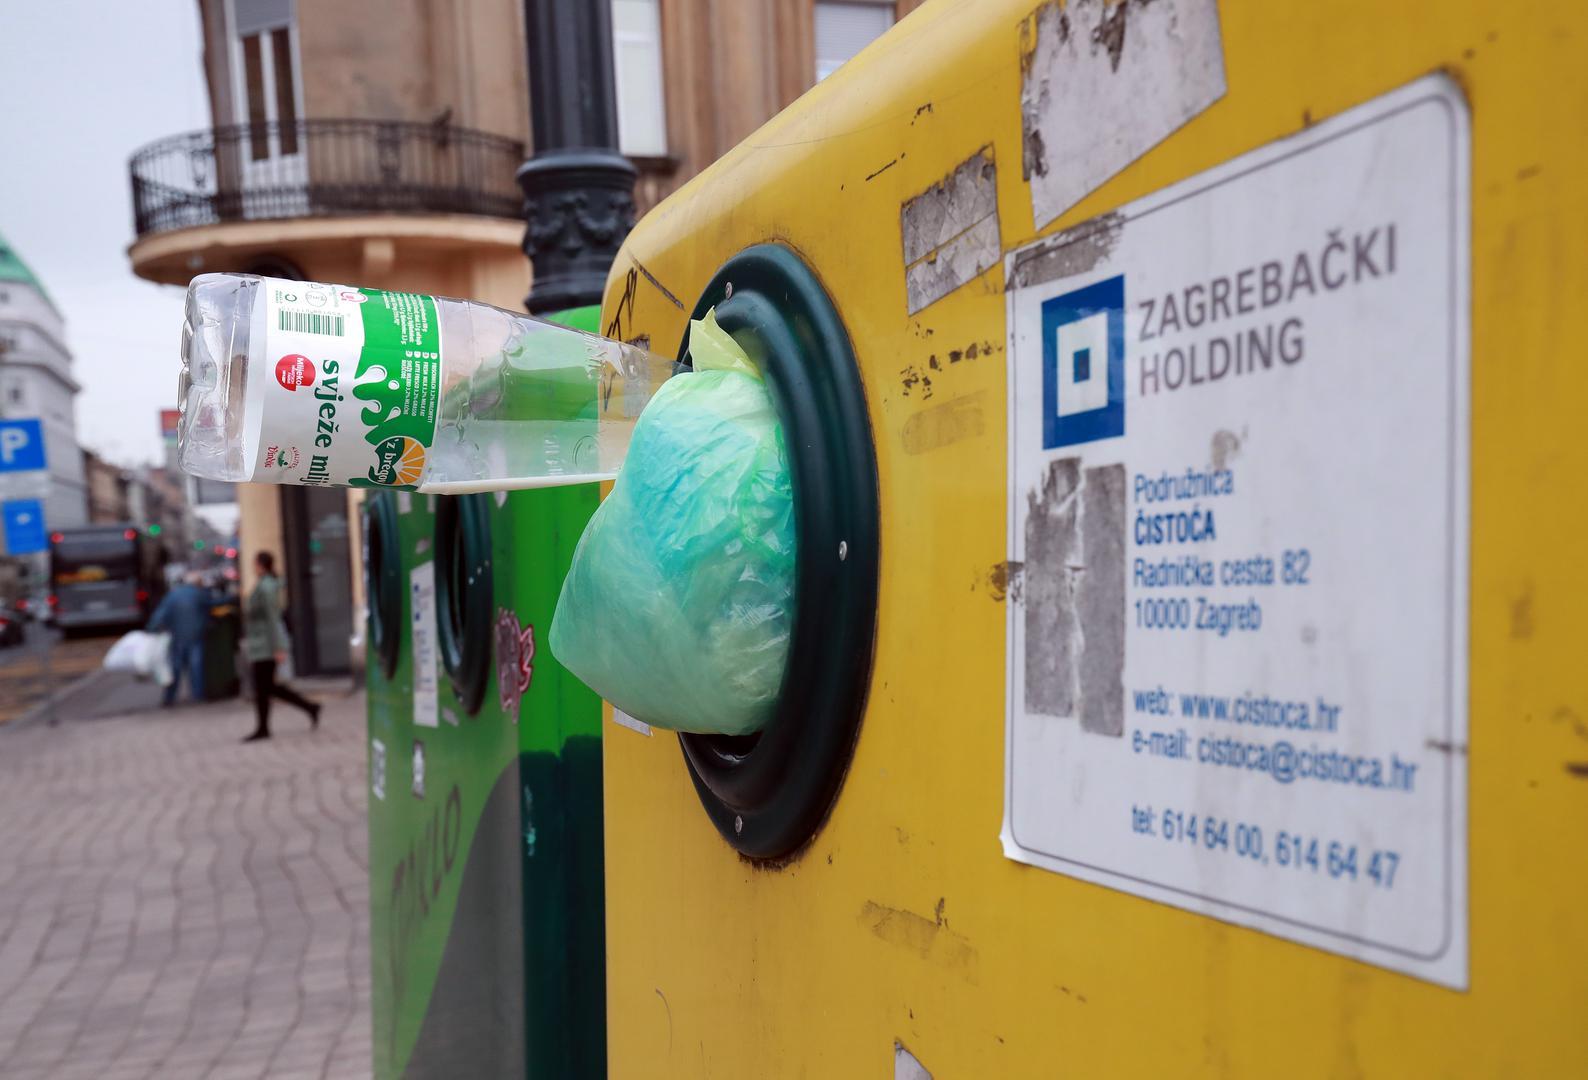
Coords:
pixel 294 370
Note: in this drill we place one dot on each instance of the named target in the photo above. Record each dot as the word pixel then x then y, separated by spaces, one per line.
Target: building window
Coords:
pixel 844 27
pixel 268 88
pixel 286 97
pixel 637 73
pixel 254 87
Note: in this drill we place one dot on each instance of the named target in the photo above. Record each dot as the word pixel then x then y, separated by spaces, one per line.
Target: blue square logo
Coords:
pixel 1083 395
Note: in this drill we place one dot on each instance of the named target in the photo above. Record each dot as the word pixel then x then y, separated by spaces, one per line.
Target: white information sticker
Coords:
pixel 422 602
pixel 377 768
pixel 1238 537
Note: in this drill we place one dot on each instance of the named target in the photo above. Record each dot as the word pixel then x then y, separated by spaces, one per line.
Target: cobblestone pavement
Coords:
pixel 176 904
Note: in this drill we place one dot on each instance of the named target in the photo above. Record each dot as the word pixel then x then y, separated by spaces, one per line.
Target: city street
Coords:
pixel 176 904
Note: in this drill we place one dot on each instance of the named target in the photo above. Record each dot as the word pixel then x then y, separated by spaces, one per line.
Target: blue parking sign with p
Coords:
pixel 1083 364
pixel 21 445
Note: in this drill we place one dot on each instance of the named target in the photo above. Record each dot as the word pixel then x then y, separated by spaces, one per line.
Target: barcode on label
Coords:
pixel 312 322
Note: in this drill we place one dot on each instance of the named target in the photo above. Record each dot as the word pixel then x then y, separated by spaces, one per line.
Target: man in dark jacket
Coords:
pixel 185 615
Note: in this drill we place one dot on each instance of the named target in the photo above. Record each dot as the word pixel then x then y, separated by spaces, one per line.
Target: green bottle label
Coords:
pixel 347 384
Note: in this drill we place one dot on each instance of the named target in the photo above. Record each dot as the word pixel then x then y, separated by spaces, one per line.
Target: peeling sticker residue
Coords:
pixel 1073 587
pixel 940 425
pixel 950 231
pixel 929 938
pixel 623 719
pixel 1004 580
pixel 1073 251
pixel 1101 84
pixel 905 1065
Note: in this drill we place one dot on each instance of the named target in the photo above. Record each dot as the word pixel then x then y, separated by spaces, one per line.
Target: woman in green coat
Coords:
pixel 265 645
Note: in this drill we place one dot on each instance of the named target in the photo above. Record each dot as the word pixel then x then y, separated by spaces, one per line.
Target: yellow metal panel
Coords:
pixel 903 920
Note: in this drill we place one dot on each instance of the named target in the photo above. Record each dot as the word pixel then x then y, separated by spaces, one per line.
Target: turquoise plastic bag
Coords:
pixel 679 602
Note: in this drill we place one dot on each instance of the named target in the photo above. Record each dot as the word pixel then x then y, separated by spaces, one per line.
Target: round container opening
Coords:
pixel 768 793
pixel 464 594
pixel 383 581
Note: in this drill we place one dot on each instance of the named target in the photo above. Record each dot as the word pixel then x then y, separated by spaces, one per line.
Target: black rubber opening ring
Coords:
pixel 768 793
pixel 464 595
pixel 382 583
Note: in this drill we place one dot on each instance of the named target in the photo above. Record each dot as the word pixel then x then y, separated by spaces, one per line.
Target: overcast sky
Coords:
pixel 83 83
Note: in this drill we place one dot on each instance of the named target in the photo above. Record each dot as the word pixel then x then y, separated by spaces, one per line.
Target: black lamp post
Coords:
pixel 578 189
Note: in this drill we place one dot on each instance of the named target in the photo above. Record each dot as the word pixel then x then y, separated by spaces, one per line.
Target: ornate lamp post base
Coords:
pixel 579 205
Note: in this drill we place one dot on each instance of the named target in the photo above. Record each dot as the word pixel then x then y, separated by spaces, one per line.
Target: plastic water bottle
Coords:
pixel 299 382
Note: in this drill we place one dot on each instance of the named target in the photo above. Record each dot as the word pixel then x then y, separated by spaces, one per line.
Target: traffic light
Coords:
pixel 154 530
pixel 198 545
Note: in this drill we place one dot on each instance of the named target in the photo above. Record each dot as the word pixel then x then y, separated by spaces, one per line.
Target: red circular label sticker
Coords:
pixel 294 370
pixel 353 297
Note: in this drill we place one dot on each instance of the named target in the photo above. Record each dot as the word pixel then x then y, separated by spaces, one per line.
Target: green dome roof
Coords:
pixel 12 268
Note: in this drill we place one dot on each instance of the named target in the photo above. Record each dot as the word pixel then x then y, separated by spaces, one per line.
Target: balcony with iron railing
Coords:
pixel 313 170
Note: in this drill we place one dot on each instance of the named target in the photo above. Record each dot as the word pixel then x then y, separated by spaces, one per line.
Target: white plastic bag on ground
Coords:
pixel 125 654
pixel 145 655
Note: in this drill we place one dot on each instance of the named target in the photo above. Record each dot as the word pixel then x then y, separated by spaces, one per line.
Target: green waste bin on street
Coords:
pixel 220 652
pixel 487 918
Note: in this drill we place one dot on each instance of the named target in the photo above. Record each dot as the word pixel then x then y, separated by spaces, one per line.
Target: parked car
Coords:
pixel 13 626
pixel 35 607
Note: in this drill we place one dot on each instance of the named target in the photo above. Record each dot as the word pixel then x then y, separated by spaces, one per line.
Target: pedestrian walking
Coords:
pixel 185 615
pixel 265 645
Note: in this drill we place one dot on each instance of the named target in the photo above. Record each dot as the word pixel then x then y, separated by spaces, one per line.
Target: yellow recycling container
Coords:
pixel 1183 404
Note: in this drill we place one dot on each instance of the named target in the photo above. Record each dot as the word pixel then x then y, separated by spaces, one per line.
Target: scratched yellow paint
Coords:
pixel 903 920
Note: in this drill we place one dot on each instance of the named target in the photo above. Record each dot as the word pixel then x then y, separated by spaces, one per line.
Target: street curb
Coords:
pixel 42 710
pixel 323 685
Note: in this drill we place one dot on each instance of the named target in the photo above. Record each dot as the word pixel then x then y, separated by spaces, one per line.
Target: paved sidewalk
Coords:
pixel 176 904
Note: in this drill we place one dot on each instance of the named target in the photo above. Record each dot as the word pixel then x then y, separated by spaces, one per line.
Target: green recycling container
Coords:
pixel 220 652
pixel 486 894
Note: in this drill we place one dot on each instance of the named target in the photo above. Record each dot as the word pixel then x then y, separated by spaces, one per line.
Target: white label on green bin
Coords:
pixel 1238 511
pixel 422 609
pixel 350 384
